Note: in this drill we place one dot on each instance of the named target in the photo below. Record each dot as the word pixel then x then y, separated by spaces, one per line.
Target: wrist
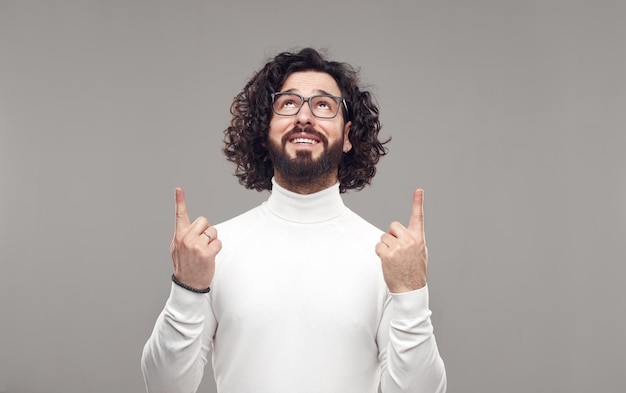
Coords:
pixel 189 288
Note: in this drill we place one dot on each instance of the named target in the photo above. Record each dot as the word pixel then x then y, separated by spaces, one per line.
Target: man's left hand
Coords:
pixel 402 251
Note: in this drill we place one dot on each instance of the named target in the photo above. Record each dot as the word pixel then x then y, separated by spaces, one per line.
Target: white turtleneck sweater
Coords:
pixel 297 304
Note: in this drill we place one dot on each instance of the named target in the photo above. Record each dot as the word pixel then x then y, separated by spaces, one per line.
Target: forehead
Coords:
pixel 311 82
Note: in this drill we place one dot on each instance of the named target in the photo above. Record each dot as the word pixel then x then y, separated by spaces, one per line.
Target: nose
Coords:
pixel 304 116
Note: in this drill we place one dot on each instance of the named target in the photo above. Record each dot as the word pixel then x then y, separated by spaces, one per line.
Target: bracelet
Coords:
pixel 187 287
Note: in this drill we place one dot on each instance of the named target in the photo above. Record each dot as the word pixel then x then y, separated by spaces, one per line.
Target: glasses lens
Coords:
pixel 324 106
pixel 287 104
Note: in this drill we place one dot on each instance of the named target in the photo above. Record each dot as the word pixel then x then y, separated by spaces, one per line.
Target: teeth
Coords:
pixel 304 140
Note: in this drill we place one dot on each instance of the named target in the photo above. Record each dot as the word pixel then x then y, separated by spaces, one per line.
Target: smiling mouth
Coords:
pixel 304 137
pixel 304 141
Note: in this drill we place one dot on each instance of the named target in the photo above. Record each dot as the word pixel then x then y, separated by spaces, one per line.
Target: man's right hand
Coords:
pixel 194 247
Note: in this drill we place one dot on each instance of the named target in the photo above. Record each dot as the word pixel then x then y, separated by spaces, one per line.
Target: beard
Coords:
pixel 302 168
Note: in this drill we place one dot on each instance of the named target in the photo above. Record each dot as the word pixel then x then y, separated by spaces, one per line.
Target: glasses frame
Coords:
pixel 340 100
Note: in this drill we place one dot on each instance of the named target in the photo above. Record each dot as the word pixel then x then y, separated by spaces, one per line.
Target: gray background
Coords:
pixel 509 113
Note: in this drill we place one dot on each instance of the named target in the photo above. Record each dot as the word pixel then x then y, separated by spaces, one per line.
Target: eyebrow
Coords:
pixel 317 92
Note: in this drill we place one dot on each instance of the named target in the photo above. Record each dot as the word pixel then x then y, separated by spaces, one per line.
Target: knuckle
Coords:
pixel 185 242
pixel 412 242
pixel 199 247
pixel 393 225
pixel 379 248
pixel 217 244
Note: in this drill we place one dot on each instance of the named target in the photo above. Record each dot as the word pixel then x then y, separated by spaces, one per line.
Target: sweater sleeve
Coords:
pixel 175 355
pixel 408 352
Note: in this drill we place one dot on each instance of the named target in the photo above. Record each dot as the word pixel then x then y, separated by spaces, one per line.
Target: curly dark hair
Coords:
pixel 245 140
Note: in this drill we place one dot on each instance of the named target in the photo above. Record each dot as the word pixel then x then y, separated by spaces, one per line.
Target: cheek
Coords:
pixel 278 127
pixel 273 132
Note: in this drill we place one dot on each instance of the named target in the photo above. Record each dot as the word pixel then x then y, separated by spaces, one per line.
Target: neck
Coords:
pixel 306 186
pixel 305 209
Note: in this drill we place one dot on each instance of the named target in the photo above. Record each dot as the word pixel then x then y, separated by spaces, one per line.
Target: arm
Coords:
pixel 408 351
pixel 174 357
pixel 407 348
pixel 176 353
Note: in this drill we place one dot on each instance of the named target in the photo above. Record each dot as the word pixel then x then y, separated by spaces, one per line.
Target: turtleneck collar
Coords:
pixel 311 208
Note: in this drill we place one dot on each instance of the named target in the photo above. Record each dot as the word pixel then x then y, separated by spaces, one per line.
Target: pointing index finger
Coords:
pixel 182 218
pixel 416 223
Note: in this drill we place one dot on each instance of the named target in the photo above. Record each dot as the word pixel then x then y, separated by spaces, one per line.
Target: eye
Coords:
pixel 325 104
pixel 288 101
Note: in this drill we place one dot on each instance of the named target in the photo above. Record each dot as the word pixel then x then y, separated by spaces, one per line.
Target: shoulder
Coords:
pixel 240 222
pixel 359 228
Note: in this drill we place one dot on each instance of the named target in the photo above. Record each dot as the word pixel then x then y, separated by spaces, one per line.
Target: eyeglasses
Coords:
pixel 324 106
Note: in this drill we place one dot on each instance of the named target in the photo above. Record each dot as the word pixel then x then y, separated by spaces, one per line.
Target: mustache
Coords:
pixel 306 130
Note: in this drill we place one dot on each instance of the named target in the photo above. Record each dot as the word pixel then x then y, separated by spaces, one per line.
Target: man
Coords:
pixel 299 294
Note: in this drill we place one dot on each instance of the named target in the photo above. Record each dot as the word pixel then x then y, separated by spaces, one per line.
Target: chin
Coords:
pixel 302 165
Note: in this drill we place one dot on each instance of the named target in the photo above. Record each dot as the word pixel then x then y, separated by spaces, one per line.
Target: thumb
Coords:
pixel 416 223
pixel 182 218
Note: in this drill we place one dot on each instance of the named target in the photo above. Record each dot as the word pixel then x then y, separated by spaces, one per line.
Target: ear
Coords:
pixel 347 145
